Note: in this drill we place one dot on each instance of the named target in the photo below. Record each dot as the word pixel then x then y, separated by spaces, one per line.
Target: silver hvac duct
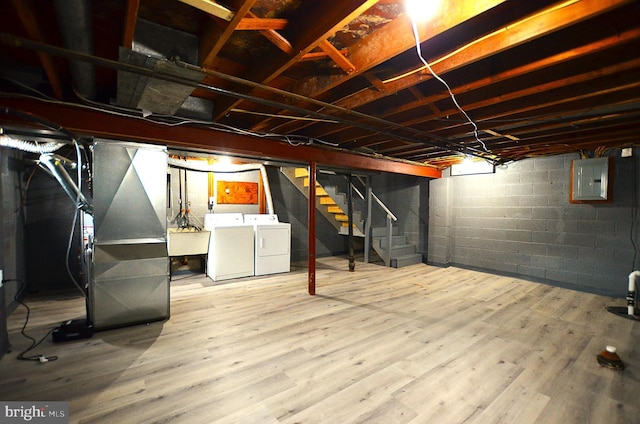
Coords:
pixel 74 20
pixel 55 165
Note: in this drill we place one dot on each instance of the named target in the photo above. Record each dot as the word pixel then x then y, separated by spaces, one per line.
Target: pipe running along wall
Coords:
pixel 205 167
pixel 631 296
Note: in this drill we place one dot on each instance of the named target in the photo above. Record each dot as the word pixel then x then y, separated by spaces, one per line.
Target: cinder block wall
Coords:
pixel 12 253
pixel 291 206
pixel 407 198
pixel 520 221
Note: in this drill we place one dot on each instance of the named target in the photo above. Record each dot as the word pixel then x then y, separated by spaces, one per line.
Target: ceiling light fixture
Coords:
pixel 414 27
pixel 421 10
pixel 469 166
pixel 211 8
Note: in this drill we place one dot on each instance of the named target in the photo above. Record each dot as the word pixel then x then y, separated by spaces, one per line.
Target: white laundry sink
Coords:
pixel 187 241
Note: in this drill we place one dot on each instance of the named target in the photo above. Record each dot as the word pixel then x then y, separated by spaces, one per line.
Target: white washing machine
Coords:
pixel 231 246
pixel 272 243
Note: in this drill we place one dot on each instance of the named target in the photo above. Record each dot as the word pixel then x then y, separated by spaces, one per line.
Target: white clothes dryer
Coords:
pixel 272 243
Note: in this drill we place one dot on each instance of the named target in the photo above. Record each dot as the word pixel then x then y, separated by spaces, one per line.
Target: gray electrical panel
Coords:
pixel 590 180
pixel 129 275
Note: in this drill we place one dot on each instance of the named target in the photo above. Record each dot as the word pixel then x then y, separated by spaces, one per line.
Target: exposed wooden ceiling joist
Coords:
pixel 536 78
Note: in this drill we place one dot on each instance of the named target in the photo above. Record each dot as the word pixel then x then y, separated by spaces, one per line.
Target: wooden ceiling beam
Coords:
pixel 216 37
pixel 394 38
pixel 317 55
pixel 255 23
pixel 30 23
pixel 584 132
pixel 533 27
pixel 375 81
pixel 272 35
pixel 337 56
pixel 564 91
pixel 330 16
pixel 130 19
pixel 557 107
pixel 557 146
pixel 543 23
pixel 85 121
pixel 559 123
pixel 500 77
pixel 631 66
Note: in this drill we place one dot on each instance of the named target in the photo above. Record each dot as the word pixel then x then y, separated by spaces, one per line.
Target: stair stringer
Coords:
pixel 320 207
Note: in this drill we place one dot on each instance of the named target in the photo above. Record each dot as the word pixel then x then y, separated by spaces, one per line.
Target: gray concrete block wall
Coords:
pixel 519 220
pixel 404 195
pixel 12 253
pixel 291 206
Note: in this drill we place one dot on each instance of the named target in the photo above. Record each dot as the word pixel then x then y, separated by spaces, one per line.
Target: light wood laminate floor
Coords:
pixel 414 345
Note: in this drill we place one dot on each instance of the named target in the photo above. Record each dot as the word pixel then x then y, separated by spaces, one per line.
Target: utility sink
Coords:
pixel 187 241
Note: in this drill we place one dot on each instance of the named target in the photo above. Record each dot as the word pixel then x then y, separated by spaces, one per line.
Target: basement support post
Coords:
pixel 352 258
pixel 367 224
pixel 312 228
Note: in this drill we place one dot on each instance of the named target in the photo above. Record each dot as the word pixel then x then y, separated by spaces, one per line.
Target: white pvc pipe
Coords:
pixel 631 296
pixel 228 168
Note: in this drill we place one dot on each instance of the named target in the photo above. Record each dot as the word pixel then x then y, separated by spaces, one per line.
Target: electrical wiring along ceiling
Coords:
pixel 501 80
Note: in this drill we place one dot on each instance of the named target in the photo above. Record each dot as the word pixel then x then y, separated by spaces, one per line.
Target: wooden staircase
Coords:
pixel 332 204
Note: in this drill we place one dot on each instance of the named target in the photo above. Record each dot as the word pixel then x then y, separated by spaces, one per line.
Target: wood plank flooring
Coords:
pixel 413 345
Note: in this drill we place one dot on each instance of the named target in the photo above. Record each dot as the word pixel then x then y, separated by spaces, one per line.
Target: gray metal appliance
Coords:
pixel 129 276
pixel 4 338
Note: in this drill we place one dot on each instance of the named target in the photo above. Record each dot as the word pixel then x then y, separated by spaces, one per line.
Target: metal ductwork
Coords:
pixel 164 50
pixel 74 20
pixel 55 165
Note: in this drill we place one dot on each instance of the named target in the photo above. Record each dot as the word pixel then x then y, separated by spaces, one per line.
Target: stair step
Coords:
pixel 305 182
pixel 330 196
pixel 406 260
pixel 402 250
pixel 326 200
pixel 301 172
pixel 344 230
pixel 382 231
pixel 399 240
pixel 346 224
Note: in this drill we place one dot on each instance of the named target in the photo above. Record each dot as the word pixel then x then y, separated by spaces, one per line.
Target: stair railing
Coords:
pixel 390 219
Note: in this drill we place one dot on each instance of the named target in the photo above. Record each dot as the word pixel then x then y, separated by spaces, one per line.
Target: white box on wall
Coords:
pixel 590 180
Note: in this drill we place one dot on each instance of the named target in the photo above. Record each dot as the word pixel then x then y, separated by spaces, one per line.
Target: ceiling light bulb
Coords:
pixel 421 10
pixel 224 160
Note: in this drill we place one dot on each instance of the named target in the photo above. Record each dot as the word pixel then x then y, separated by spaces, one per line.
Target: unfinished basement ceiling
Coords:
pixel 536 78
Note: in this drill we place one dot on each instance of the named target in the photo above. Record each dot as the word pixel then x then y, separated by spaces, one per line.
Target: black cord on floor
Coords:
pixel 22 356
